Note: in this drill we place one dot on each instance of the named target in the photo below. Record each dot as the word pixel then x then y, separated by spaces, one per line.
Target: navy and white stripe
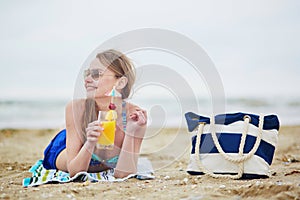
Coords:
pixel 229 129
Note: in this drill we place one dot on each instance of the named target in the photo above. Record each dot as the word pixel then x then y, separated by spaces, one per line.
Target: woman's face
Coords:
pixel 99 80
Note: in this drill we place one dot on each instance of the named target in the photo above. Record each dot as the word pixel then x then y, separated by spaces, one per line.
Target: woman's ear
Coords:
pixel 122 82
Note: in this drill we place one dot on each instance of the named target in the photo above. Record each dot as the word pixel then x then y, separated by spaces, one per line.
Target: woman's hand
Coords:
pixel 93 132
pixel 137 122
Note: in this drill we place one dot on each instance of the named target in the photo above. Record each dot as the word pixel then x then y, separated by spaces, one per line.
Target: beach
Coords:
pixel 21 148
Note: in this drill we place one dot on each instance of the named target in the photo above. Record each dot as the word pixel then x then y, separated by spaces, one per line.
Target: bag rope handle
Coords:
pixel 242 143
pixel 241 159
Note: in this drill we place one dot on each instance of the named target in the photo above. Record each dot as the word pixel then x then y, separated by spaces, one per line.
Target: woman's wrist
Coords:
pixel 136 133
pixel 89 146
pixel 131 144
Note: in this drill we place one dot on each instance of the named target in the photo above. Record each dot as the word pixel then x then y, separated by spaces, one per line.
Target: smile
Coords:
pixel 89 87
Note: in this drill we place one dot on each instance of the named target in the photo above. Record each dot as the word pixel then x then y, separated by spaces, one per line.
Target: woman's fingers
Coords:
pixel 94 123
pixel 94 128
pixel 133 116
pixel 145 114
pixel 93 131
pixel 140 116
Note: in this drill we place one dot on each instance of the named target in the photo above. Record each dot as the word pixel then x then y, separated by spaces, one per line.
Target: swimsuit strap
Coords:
pixel 124 120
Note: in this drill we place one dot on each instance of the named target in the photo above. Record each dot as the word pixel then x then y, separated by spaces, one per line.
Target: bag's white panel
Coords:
pixel 217 163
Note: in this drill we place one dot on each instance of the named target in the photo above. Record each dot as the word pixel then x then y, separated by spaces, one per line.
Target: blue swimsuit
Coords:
pixel 58 144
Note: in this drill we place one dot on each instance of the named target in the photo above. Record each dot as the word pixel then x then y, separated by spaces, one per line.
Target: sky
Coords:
pixel 254 45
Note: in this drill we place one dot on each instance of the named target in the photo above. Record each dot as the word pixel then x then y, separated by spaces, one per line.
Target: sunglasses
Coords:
pixel 96 74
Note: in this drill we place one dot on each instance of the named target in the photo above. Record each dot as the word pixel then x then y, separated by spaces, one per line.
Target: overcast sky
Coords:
pixel 253 44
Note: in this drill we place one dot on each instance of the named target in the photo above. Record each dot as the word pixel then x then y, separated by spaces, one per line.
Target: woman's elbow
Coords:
pixel 122 174
pixel 73 171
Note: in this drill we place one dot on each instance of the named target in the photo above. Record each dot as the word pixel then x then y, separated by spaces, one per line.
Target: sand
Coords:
pixel 168 150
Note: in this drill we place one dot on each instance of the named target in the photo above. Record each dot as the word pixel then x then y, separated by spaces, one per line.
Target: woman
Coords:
pixel 74 149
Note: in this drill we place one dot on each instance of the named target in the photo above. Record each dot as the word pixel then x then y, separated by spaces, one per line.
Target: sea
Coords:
pixel 162 112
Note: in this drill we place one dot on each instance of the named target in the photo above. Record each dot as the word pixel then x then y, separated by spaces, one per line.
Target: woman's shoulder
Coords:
pixel 133 107
pixel 76 104
pixel 74 111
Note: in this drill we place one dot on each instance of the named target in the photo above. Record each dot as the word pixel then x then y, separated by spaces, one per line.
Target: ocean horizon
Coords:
pixel 162 112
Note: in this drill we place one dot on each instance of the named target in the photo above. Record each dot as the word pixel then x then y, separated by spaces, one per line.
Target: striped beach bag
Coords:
pixel 237 145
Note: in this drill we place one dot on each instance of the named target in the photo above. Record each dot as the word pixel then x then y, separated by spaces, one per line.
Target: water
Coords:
pixel 32 113
pixel 161 112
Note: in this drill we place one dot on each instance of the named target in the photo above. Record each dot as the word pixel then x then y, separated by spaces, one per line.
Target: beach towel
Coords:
pixel 41 175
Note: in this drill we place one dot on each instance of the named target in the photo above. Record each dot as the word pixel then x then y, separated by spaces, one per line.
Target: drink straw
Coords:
pixel 113 94
pixel 99 116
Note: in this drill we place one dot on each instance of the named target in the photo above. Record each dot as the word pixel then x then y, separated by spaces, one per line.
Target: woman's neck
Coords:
pixel 103 103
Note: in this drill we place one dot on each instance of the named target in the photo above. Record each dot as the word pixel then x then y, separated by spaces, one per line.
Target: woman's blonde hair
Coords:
pixel 121 65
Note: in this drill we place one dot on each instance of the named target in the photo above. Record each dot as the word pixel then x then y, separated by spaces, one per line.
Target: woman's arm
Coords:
pixel 135 131
pixel 79 152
